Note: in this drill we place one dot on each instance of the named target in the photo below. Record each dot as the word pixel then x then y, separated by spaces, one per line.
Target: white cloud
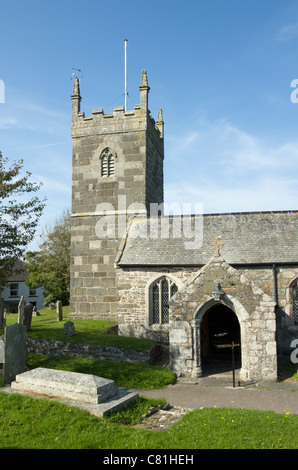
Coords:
pixel 288 32
pixel 228 169
pixel 262 195
pixel 7 122
pixel 53 185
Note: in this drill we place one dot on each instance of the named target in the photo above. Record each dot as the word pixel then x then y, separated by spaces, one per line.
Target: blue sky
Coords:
pixel 220 69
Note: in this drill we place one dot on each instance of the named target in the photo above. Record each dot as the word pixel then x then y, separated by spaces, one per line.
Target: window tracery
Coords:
pixel 161 292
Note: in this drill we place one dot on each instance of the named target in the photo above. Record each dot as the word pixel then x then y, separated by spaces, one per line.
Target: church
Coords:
pixel 200 285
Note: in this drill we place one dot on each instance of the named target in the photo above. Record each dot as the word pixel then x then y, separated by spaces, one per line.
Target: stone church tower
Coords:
pixel 117 172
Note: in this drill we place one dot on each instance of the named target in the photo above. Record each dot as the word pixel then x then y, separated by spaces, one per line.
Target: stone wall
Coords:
pixel 277 286
pixel 255 312
pixel 59 348
pixel 268 327
pixel 103 205
pixel 133 302
pixel 133 310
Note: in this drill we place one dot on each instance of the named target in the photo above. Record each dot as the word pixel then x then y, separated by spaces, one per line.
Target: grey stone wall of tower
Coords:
pixel 105 197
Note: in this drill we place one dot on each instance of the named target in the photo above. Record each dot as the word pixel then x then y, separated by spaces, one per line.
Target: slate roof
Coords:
pixel 19 274
pixel 249 238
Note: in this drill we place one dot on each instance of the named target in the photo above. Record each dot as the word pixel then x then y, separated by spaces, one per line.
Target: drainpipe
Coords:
pixel 275 284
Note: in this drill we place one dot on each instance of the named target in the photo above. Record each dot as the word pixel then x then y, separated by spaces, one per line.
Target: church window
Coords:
pixel 161 292
pixel 107 162
pixel 295 302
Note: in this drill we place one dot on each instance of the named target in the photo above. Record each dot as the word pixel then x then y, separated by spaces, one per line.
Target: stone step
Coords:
pixel 65 385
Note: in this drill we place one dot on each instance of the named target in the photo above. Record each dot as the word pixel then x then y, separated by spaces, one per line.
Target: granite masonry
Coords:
pixel 198 284
pixel 117 172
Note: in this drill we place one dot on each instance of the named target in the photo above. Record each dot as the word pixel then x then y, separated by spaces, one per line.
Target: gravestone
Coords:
pixel 2 314
pixel 21 310
pixel 14 351
pixel 35 313
pixel 28 316
pixel 69 328
pixel 1 350
pixel 59 310
pixel 96 394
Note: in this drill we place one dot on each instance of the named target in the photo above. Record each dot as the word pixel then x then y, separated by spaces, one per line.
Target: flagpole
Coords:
pixel 125 73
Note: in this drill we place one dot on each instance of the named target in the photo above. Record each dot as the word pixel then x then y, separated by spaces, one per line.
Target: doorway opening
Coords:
pixel 220 329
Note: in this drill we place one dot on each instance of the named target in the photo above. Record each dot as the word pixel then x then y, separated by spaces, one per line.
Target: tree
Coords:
pixel 50 267
pixel 19 214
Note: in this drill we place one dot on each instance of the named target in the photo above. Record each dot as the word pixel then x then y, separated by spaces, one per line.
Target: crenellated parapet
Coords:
pixel 119 120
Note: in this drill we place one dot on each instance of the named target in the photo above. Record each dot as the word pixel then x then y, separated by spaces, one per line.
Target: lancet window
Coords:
pixel 107 162
pixel 161 292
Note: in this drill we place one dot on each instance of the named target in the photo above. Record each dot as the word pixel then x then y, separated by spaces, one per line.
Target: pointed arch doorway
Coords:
pixel 220 328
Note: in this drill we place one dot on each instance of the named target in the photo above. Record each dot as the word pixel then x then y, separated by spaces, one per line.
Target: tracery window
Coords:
pixel 107 162
pixel 161 292
pixel 295 302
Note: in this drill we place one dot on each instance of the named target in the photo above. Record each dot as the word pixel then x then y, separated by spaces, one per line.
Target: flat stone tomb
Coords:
pixel 73 386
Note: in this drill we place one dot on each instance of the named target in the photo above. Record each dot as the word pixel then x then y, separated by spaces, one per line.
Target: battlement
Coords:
pixel 111 121
pixel 119 120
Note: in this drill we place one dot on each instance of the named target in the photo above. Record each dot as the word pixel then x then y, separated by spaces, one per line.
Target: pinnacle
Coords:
pixel 76 87
pixel 159 115
pixel 144 81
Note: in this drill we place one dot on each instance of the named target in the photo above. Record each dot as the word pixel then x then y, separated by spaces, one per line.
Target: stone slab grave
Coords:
pixel 97 395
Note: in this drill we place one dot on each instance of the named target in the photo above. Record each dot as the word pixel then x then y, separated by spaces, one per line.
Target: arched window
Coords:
pixel 161 292
pixel 295 301
pixel 107 162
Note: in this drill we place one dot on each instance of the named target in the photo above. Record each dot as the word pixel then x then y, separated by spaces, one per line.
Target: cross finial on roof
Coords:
pixel 217 243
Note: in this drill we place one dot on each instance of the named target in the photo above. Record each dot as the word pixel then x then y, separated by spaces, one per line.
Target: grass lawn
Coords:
pixel 30 423
pixel 92 332
pixel 131 375
pixel 87 331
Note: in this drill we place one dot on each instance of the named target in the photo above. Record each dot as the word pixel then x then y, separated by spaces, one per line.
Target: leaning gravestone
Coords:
pixel 59 310
pixel 28 316
pixel 69 328
pixel 14 351
pixel 21 310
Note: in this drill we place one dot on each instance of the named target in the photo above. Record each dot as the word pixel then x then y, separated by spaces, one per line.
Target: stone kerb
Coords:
pixel 255 312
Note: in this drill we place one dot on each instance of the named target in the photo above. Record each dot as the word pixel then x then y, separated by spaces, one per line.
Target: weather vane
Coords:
pixel 74 74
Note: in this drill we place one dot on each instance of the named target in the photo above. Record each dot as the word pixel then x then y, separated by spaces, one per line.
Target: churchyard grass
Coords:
pixel 87 331
pixel 131 375
pixel 31 423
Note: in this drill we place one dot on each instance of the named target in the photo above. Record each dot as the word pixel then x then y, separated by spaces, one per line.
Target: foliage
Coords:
pixel 19 214
pixel 50 267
